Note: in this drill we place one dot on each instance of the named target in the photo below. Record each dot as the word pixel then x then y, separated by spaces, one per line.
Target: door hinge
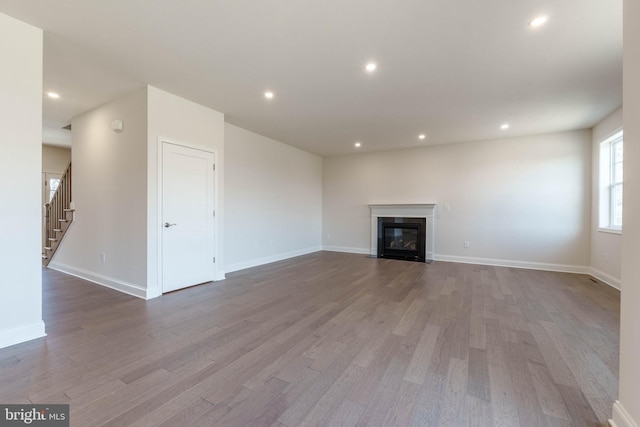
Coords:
pixel 214 166
pixel 214 213
pixel 214 260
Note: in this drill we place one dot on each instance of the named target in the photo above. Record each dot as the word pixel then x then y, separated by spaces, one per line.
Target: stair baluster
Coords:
pixel 58 217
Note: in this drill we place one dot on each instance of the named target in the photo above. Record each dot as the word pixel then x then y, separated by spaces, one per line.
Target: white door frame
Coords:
pixel 152 293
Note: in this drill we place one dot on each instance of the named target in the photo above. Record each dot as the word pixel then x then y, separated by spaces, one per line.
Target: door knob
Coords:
pixel 167 225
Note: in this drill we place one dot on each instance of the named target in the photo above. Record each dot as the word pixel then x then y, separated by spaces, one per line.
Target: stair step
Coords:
pixel 63 220
pixel 47 248
pixel 59 230
pixel 52 239
pixel 69 210
pixel 45 257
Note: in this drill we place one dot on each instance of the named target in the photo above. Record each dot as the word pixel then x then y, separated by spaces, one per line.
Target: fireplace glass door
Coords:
pixel 401 238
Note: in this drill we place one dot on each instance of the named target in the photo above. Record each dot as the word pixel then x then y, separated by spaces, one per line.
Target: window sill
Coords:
pixel 609 230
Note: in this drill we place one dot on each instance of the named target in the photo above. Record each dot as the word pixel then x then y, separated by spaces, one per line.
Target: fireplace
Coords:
pixel 405 223
pixel 402 238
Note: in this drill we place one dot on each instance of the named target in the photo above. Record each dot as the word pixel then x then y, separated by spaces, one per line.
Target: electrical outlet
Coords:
pixel 447 208
pixel 466 244
pixel 103 257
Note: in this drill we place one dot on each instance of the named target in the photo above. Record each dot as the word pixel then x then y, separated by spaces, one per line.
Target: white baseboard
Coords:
pixel 621 417
pixel 108 282
pixel 606 278
pixel 141 292
pixel 363 251
pixel 483 261
pixel 266 260
pixel 21 334
pixel 563 268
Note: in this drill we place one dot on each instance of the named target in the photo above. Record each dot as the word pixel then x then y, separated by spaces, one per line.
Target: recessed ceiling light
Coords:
pixel 504 126
pixel 538 21
pixel 53 95
pixel 422 136
pixel 357 144
pixel 371 66
pixel 268 94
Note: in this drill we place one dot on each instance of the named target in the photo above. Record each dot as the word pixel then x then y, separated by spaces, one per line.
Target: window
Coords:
pixel 611 178
pixel 53 186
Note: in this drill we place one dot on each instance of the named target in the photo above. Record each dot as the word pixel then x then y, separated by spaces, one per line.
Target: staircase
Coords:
pixel 58 217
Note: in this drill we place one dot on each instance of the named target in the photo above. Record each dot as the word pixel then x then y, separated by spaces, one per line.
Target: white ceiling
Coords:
pixel 455 70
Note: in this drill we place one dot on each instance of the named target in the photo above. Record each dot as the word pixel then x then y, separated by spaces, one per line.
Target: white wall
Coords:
pixel 626 412
pixel 606 247
pixel 20 163
pixel 273 200
pixel 115 186
pixel 110 196
pixel 55 159
pixel 187 123
pixel 519 201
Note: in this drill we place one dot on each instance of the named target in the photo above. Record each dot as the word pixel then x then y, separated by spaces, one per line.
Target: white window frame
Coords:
pixel 608 185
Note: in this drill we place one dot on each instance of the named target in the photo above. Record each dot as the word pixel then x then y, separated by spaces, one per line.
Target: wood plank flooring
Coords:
pixel 329 339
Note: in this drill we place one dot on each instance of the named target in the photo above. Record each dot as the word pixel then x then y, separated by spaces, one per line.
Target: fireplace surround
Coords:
pixel 395 229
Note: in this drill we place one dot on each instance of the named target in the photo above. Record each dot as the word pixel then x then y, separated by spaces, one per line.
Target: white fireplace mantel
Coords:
pixel 426 211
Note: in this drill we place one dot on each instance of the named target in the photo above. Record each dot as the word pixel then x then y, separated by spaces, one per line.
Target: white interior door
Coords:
pixel 187 217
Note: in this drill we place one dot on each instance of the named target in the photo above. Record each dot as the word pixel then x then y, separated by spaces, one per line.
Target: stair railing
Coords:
pixel 58 216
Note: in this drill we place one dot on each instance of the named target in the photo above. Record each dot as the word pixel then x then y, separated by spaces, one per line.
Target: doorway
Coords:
pixel 187 217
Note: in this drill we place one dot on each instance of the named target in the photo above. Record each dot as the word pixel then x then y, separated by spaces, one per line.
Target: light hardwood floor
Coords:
pixel 329 339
